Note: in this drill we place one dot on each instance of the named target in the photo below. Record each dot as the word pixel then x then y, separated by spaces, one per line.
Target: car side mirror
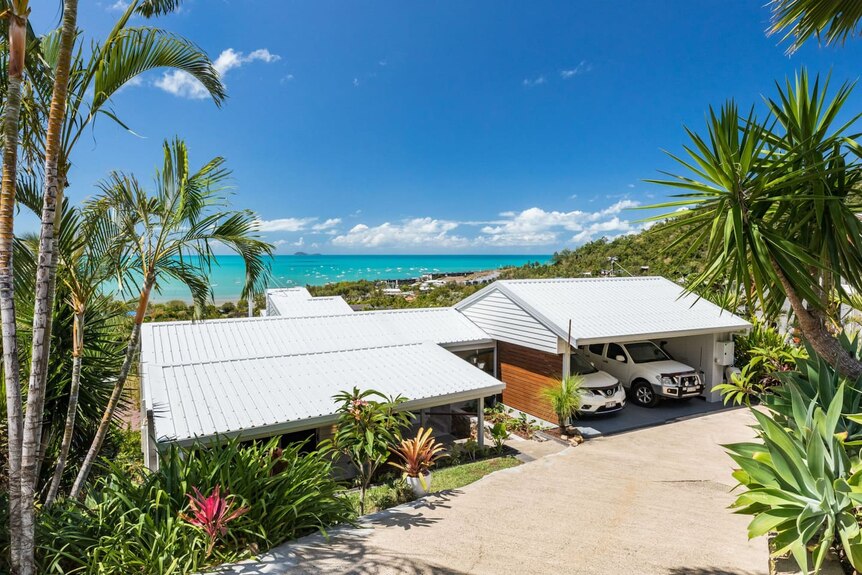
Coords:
pixel 620 358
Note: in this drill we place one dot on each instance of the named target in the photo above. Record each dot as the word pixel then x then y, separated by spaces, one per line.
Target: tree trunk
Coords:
pixel 43 305
pixel 72 409
pixel 11 369
pixel 816 332
pixel 105 423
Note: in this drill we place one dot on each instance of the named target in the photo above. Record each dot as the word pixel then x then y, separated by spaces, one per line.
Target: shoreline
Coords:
pixel 465 277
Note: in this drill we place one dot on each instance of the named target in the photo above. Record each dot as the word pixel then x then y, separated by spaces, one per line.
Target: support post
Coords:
pixel 480 425
pixel 250 305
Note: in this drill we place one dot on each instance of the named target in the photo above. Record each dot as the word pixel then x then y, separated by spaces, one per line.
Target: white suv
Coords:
pixel 600 391
pixel 645 370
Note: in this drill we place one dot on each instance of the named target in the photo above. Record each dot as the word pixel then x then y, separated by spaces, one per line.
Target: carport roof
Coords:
pixel 614 309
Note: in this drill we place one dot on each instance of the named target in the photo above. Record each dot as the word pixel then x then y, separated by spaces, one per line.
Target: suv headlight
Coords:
pixel 665 380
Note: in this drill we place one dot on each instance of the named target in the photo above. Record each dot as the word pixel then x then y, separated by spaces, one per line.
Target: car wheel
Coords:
pixel 643 394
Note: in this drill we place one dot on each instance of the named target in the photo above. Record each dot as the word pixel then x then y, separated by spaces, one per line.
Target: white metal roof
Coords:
pixel 266 396
pixel 298 302
pixel 609 309
pixel 243 338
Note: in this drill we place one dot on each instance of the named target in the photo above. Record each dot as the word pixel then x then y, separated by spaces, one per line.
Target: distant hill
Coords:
pixel 647 249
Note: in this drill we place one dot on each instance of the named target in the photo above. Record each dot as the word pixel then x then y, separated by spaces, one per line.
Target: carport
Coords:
pixel 537 323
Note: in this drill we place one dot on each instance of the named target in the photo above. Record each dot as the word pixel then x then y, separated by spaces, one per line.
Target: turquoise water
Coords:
pixel 289 271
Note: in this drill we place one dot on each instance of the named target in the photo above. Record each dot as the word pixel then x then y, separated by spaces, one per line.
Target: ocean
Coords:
pixel 299 270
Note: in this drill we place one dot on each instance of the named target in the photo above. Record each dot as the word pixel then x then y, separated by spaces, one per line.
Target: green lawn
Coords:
pixel 396 492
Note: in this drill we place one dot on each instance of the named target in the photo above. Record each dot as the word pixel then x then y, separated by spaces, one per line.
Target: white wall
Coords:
pixel 699 353
pixel 504 320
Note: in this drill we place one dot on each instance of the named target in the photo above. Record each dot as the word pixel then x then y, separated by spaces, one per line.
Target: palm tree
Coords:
pixel 773 203
pixel 17 45
pixel 831 21
pixel 88 259
pixel 86 87
pixel 170 235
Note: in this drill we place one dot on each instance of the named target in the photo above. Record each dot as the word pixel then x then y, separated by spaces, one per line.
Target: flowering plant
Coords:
pixel 211 514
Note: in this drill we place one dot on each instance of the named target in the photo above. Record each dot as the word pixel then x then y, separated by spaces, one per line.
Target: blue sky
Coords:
pixel 444 126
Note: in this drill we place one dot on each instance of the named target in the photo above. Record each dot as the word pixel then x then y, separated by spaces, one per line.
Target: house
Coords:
pixel 275 376
pixel 537 323
pixel 298 302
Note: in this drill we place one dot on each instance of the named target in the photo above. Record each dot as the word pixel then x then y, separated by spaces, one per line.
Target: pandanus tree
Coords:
pixel 830 21
pixel 775 203
pixel 170 235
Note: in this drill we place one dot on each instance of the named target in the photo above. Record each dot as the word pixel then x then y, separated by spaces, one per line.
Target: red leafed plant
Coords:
pixel 211 514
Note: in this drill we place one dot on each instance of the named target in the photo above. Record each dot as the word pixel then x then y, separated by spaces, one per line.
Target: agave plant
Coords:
pixel 211 514
pixel 800 484
pixel 419 454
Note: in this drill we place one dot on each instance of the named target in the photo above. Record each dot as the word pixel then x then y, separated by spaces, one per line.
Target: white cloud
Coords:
pixel 530 82
pixel 582 68
pixel 182 84
pixel 356 82
pixel 118 6
pixel 279 243
pixel 535 226
pixel 285 224
pixel 299 242
pixel 326 225
pixel 417 232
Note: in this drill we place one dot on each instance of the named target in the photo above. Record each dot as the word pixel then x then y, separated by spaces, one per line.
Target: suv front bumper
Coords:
pixel 679 391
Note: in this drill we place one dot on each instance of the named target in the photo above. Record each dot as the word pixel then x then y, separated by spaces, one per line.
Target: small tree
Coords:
pixel 366 429
pixel 565 399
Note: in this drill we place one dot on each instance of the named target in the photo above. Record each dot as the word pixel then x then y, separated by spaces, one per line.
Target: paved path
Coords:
pixel 648 502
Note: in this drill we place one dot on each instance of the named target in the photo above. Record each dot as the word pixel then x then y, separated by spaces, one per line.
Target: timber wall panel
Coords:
pixel 526 372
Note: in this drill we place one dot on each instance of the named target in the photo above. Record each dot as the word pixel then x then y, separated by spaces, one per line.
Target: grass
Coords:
pixel 395 492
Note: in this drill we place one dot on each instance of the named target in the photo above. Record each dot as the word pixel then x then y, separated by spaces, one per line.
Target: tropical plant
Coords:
pixel 368 424
pixel 211 514
pixel 16 43
pixel 87 260
pixel 800 484
pixel 132 524
pixel 68 95
pixel 499 433
pixel 564 399
pixel 171 235
pixel 418 455
pixel 830 21
pixel 817 383
pixel 773 203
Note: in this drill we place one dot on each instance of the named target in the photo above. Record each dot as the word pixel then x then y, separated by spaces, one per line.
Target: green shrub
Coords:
pixel 800 483
pixel 131 524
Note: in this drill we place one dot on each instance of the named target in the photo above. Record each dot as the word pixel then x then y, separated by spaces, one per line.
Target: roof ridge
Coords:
pixel 302 354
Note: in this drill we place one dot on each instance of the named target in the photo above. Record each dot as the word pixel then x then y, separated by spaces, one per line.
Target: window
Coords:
pixel 597 348
pixel 614 350
pixel 581 365
pixel 645 352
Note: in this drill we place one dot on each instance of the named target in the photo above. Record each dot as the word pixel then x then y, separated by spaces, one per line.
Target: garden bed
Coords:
pixel 395 492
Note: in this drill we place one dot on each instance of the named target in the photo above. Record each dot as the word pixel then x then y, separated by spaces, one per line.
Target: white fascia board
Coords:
pixel 656 335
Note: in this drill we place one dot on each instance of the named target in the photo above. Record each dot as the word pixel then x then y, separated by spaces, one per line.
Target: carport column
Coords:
pixel 567 362
pixel 480 425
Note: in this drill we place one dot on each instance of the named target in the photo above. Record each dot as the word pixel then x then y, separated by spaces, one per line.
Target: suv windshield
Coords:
pixel 646 352
pixel 581 366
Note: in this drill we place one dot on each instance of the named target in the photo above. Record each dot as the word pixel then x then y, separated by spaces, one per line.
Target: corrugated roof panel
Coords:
pixel 298 302
pixel 224 397
pixel 244 338
pixel 616 308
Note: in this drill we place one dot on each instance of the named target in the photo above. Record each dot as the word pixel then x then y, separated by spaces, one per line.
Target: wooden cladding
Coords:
pixel 526 372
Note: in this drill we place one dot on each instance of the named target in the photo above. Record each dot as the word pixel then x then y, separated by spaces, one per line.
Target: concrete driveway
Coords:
pixel 652 501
